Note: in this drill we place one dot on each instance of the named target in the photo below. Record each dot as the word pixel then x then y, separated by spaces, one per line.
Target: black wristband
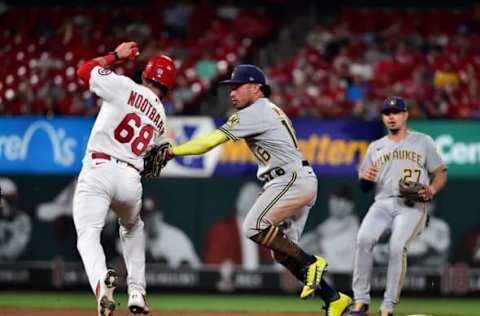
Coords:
pixel 114 53
pixel 366 185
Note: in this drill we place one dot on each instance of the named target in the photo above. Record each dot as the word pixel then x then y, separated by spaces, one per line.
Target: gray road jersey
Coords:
pixel 268 133
pixel 414 158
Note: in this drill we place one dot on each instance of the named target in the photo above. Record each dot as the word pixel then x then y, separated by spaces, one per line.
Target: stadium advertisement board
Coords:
pixel 43 146
pixel 458 143
pixel 56 146
pixel 334 148
pixel 59 275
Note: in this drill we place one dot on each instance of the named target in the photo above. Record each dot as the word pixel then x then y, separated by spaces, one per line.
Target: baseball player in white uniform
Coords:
pixel 278 216
pixel 402 154
pixel 130 121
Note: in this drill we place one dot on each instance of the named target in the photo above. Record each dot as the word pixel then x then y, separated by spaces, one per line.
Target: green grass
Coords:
pixel 180 302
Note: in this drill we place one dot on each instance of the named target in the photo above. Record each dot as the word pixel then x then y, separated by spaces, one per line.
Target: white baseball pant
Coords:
pixel 105 184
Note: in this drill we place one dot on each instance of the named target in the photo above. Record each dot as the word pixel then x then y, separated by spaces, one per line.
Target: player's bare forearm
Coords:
pixel 439 182
pixel 200 145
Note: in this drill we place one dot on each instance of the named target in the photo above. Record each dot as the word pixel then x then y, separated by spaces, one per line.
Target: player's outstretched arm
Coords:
pixel 199 145
pixel 124 51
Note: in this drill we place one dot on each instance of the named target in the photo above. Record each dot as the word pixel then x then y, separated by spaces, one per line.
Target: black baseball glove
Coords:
pixel 410 191
pixel 155 160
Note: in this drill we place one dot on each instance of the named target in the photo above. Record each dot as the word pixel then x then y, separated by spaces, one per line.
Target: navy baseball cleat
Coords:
pixel 359 309
pixel 384 312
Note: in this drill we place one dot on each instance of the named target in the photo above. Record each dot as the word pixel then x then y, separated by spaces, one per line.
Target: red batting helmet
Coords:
pixel 160 69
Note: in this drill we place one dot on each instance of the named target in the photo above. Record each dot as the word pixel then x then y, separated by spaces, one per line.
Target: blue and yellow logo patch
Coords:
pixel 232 120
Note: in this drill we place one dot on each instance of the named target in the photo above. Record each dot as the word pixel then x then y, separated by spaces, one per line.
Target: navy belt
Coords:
pixel 278 171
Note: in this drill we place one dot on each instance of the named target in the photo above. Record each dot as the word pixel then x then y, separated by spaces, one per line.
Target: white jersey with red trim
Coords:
pixel 130 121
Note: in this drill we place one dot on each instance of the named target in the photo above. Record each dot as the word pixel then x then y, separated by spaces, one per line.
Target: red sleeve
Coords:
pixel 85 69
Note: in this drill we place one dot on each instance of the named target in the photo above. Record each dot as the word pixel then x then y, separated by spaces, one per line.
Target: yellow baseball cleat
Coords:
pixel 313 276
pixel 339 306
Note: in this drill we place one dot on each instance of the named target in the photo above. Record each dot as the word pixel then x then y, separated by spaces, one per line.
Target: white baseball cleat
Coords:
pixel 105 287
pixel 137 303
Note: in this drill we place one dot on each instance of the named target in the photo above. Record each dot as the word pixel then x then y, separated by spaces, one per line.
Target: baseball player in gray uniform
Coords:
pixel 402 154
pixel 277 218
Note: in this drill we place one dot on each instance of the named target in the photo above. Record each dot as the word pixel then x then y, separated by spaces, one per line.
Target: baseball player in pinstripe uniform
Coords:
pixel 402 154
pixel 277 218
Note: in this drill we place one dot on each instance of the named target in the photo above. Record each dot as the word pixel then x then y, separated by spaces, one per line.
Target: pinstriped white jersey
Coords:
pixel 414 158
pixel 268 133
pixel 130 121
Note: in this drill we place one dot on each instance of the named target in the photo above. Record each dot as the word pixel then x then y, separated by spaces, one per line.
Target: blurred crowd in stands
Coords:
pixel 42 46
pixel 349 63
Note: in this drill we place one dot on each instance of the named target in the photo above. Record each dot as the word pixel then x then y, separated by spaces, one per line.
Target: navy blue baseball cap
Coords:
pixel 394 103
pixel 246 74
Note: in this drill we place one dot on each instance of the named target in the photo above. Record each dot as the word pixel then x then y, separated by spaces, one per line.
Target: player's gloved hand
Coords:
pixel 414 191
pixel 155 160
pixel 169 154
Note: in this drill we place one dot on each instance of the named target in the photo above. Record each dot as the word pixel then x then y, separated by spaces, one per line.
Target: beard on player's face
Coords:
pixel 396 128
